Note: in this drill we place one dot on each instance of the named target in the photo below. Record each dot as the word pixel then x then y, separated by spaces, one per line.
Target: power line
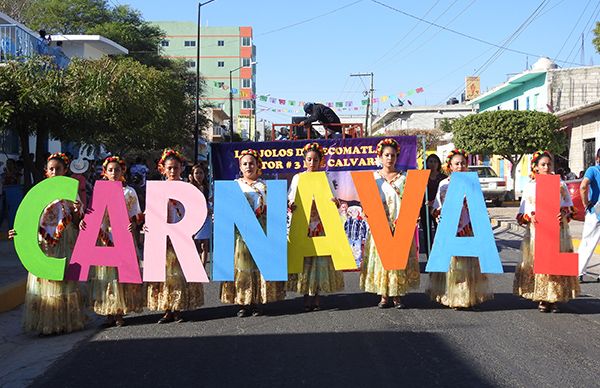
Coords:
pixel 310 19
pixel 438 31
pixel 573 29
pixel 427 28
pixel 404 36
pixel 593 16
pixel 506 42
pixel 465 35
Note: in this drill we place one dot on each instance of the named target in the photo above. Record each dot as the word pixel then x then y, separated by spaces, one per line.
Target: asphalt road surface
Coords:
pixel 350 343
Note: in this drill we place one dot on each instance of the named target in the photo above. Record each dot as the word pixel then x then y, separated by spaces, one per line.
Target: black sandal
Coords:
pixel 384 305
pixel 399 305
pixel 242 313
pixel 167 318
pixel 178 317
pixel 257 311
pixel 543 308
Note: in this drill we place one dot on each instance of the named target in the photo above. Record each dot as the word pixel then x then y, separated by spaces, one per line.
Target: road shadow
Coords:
pixel 367 359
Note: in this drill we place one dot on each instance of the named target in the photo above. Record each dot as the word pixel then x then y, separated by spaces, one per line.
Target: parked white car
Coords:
pixel 493 187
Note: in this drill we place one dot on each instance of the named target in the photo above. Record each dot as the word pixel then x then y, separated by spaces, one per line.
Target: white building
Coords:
pixel 418 117
pixel 19 42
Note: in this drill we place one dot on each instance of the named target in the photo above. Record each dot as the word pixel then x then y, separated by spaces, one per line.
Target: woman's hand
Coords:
pixel 130 227
pixel 78 207
pixel 82 225
pixel 11 234
pixel 291 206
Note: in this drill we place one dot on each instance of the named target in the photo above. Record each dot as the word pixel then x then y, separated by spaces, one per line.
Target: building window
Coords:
pixel 527 103
pixel 245 62
pixel 221 43
pixel 535 101
pixel 246 41
pixel 247 104
pixel 190 64
pixel 516 104
pixel 189 43
pixel 246 83
pixel 164 43
pixel 220 64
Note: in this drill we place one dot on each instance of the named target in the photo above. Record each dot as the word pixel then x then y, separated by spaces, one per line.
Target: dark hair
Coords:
pixel 437 158
pixel 204 182
pixel 598 154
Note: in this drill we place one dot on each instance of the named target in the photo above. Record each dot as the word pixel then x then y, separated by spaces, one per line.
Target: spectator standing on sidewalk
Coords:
pixel 590 192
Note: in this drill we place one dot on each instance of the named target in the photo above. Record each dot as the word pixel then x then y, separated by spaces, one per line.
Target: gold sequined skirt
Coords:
pixel 175 293
pixel 109 297
pixel 375 279
pixel 539 287
pixel 53 307
pixel 463 286
pixel 248 286
pixel 318 277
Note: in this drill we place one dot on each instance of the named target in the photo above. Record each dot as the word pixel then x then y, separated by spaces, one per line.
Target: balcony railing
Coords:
pixel 16 43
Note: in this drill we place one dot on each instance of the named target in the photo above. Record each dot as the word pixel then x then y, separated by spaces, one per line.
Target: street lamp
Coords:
pixel 231 99
pixel 197 106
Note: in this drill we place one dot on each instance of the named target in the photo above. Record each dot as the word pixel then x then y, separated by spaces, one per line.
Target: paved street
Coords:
pixel 349 343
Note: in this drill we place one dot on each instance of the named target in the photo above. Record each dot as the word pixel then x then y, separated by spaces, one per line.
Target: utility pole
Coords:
pixel 197 105
pixel 369 113
pixel 582 50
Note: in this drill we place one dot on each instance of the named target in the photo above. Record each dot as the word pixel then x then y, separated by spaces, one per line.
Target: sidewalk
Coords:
pixel 13 277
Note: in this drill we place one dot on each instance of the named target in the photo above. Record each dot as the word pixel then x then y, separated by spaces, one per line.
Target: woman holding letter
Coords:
pixel 373 277
pixel 318 275
pixel 463 286
pixel 55 307
pixel 175 294
pixel 109 297
pixel 548 290
pixel 249 289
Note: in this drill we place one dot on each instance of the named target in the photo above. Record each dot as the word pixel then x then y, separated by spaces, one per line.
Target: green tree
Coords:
pixel 510 134
pixel 122 24
pixel 596 40
pixel 118 103
pixel 126 106
pixel 66 16
pixel 16 9
pixel 31 93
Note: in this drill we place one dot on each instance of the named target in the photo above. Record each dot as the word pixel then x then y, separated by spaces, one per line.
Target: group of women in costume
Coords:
pixel 53 307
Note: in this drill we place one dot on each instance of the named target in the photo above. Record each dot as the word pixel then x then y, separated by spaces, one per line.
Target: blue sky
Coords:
pixel 313 60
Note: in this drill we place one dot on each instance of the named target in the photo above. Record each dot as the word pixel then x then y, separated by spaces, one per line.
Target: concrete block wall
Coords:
pixel 573 87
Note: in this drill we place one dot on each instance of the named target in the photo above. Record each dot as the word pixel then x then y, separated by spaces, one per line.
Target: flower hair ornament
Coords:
pixel 315 147
pixel 114 159
pixel 254 154
pixel 170 153
pixel 60 156
pixel 535 158
pixel 387 142
pixel 453 153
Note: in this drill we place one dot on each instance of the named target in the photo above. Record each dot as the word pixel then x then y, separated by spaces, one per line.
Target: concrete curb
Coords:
pixel 509 224
pixel 12 295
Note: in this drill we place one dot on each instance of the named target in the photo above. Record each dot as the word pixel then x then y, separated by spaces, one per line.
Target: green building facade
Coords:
pixel 222 50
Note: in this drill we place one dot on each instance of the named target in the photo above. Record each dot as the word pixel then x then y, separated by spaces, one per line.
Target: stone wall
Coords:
pixel 573 87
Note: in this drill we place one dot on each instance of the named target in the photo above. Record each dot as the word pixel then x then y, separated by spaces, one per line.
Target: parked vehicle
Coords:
pixel 573 187
pixel 493 187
